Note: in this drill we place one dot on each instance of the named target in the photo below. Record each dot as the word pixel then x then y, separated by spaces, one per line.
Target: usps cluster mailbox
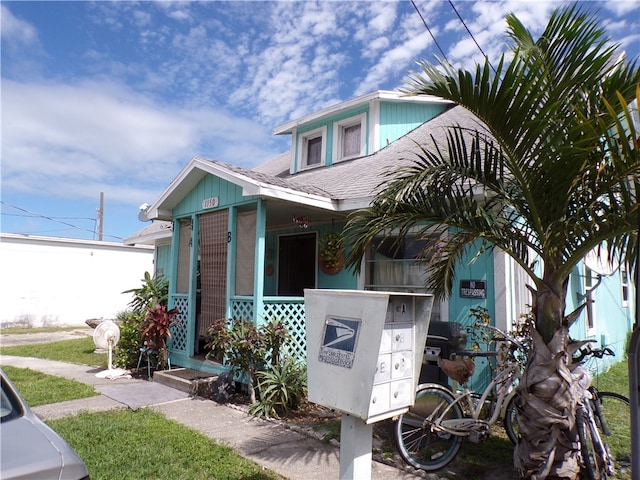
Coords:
pixel 364 350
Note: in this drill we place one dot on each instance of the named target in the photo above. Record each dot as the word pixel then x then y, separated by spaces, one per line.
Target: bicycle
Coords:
pixel 606 443
pixel 602 422
pixel 429 435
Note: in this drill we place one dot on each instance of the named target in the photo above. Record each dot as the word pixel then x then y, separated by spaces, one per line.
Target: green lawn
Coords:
pixel 80 350
pixel 615 380
pixel 125 444
pixel 41 389
pixel 20 330
pixel 143 444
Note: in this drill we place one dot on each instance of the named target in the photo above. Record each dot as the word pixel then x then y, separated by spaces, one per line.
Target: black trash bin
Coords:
pixel 443 340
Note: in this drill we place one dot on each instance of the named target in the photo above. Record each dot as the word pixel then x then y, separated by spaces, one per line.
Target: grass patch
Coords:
pixel 80 350
pixel 144 444
pixel 476 460
pixel 41 389
pixel 616 379
pixel 14 330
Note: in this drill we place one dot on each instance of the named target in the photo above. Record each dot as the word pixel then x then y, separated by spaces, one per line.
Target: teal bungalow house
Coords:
pixel 244 244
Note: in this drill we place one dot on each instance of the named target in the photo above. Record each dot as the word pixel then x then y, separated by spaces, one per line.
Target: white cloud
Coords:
pixel 623 7
pixel 14 30
pixel 64 138
pixel 194 61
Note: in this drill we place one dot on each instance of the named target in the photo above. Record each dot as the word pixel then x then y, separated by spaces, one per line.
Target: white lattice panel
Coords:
pixel 179 331
pixel 292 316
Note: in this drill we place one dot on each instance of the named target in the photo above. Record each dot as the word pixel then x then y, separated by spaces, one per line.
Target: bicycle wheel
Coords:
pixel 616 414
pixel 421 443
pixel 592 461
pixel 510 421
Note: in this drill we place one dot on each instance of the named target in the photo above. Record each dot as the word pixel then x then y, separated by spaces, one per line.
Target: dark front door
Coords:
pixel 296 264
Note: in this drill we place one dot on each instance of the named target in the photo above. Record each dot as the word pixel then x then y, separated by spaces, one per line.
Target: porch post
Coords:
pixel 175 249
pixel 258 279
pixel 193 285
pixel 231 261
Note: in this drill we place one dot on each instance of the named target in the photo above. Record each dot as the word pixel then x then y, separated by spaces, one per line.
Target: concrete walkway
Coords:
pixel 273 445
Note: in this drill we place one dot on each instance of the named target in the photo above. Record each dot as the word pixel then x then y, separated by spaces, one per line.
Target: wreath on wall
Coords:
pixel 331 253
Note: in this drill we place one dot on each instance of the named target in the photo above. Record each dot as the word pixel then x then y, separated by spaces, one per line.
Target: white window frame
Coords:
pixel 624 285
pixel 303 142
pixel 590 281
pixel 338 136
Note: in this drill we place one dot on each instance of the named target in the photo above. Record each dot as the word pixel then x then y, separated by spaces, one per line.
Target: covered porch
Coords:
pixel 241 250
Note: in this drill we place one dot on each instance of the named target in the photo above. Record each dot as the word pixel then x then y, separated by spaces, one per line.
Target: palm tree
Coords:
pixel 550 173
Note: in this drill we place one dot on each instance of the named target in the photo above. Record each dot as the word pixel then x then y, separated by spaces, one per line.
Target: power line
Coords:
pixel 444 56
pixel 465 26
pixel 55 219
pixel 471 35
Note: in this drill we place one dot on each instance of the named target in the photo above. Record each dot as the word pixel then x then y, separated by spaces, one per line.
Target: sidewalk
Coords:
pixel 290 453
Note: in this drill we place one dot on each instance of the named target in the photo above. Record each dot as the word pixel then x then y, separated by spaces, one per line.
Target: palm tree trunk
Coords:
pixel 548 393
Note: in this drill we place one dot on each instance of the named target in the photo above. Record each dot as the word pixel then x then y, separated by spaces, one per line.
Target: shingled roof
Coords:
pixel 361 177
pixel 341 187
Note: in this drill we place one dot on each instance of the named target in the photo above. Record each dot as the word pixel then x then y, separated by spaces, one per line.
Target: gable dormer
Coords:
pixel 356 128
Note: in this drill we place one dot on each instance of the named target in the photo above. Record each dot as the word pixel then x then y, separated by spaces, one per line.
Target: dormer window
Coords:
pixel 312 148
pixel 314 151
pixel 350 138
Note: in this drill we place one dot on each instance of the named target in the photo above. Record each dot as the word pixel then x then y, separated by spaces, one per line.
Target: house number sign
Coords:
pixel 210 203
pixel 473 288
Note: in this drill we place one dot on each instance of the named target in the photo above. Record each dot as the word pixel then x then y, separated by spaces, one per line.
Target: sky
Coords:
pixel 115 98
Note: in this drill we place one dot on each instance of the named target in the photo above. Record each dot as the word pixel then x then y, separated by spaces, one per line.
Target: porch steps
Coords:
pixel 186 380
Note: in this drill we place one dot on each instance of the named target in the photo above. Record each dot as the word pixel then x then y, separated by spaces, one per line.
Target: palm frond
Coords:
pixel 552 168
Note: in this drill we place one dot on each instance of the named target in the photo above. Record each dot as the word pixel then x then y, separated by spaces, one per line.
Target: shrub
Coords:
pixel 282 388
pixel 246 348
pixel 156 328
pixel 153 290
pixel 128 349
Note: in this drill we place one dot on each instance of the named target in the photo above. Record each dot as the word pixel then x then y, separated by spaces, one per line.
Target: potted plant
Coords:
pixel 331 252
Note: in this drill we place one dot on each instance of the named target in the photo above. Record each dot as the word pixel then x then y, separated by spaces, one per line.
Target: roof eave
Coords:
pixel 188 178
pixel 291 195
pixel 287 128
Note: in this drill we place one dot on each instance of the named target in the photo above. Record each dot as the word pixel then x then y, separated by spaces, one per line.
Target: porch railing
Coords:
pixel 289 310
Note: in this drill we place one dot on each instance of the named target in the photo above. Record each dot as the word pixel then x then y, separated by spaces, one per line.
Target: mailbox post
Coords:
pixel 364 354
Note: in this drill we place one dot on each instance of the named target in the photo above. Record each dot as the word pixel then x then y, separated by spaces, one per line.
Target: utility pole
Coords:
pixel 101 216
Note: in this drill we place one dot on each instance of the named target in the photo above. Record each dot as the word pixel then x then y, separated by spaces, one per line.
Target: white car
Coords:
pixel 31 449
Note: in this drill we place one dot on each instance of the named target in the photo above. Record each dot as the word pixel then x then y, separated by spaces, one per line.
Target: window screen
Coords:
pixel 351 141
pixel 245 253
pixel 184 256
pixel 213 228
pixel 314 150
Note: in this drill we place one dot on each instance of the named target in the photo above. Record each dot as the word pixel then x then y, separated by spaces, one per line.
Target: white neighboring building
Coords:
pixel 62 281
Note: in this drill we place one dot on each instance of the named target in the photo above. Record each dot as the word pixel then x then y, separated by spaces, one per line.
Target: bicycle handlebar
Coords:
pixel 598 353
pixel 505 336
